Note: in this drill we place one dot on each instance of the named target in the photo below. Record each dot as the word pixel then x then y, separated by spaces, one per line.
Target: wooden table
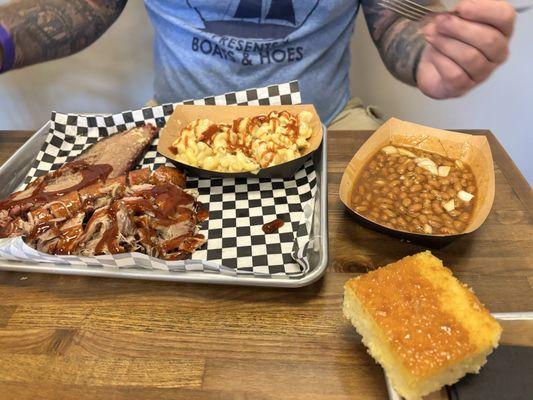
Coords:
pixel 84 338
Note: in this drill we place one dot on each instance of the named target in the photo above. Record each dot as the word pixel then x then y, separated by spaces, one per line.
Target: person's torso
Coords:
pixel 204 48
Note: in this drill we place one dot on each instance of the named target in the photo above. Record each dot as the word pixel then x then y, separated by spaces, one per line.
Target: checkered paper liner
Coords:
pixel 238 208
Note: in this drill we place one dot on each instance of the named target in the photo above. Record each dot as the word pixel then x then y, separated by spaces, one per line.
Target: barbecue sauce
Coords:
pixel 109 239
pixel 273 226
pixel 166 203
pixel 163 204
pixel 168 199
pixel 69 239
pixel 241 144
pixel 202 214
pixel 207 135
pixel 90 174
pixel 173 150
pixel 179 255
pixel 169 208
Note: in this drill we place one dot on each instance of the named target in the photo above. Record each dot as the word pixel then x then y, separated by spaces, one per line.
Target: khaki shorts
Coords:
pixel 356 116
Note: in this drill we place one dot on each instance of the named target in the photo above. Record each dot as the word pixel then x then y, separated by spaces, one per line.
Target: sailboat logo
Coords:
pixel 254 19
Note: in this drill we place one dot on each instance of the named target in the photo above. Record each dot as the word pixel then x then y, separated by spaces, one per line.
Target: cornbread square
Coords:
pixel 422 325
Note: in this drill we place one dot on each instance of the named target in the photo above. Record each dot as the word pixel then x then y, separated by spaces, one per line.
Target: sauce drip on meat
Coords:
pixel 146 211
pixel 110 241
pixel 273 226
pixel 89 174
pixel 168 199
pixel 168 210
pixel 236 124
pixel 202 213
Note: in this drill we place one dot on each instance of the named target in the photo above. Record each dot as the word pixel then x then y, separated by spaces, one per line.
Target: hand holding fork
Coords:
pixel 463 47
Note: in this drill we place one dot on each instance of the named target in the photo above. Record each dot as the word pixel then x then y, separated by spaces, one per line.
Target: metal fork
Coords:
pixel 415 12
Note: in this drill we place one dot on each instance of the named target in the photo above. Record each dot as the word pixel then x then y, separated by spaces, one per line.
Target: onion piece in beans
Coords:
pixel 465 196
pixel 405 152
pixel 444 170
pixel 389 150
pixel 449 205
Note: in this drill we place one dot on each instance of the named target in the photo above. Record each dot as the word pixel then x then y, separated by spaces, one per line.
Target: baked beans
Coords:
pixel 416 191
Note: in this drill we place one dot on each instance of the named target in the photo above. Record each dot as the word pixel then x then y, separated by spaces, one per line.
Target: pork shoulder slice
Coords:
pixel 109 158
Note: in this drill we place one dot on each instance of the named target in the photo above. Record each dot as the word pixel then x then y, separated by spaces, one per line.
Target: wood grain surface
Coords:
pixel 71 337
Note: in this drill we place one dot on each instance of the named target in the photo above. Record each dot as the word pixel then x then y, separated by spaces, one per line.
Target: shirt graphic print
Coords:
pixel 204 47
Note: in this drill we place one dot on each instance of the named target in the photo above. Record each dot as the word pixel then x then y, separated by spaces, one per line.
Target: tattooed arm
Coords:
pixel 47 29
pixel 398 40
pixel 446 55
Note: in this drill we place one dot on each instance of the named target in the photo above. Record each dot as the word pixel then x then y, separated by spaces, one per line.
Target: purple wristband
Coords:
pixel 6 42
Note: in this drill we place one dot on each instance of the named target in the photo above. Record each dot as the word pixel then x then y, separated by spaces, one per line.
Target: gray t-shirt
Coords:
pixel 204 48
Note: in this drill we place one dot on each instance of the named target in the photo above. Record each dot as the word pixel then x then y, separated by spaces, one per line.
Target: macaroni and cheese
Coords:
pixel 247 144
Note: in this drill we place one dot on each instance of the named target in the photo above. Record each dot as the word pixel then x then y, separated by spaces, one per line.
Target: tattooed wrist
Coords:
pixel 398 40
pixel 402 47
pixel 47 29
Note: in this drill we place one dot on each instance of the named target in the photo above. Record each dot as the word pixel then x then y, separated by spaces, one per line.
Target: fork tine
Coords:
pixel 402 4
pixel 418 6
pixel 401 11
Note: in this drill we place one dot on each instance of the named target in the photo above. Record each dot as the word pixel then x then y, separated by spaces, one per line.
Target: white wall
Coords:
pixel 112 75
pixel 115 74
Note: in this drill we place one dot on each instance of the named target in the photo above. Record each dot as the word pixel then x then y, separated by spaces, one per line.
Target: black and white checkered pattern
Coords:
pixel 70 134
pixel 238 208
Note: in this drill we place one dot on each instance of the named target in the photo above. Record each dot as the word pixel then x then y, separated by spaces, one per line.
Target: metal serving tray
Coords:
pixel 14 170
pixel 502 316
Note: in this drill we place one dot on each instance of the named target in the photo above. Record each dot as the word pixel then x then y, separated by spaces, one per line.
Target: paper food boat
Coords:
pixel 184 114
pixel 473 150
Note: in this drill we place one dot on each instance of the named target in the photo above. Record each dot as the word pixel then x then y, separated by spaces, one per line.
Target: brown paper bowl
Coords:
pixel 471 149
pixel 184 114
